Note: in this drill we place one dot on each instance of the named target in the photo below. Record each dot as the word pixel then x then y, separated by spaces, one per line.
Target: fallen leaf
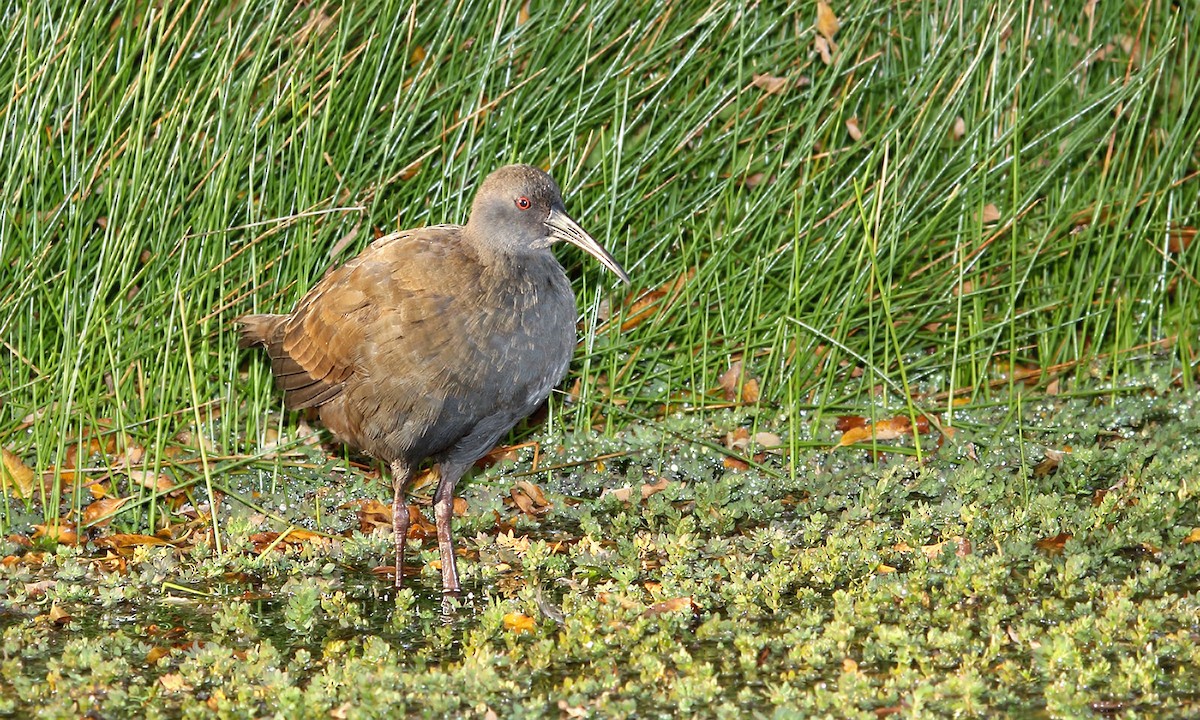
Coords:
pixel 735 464
pixel 853 129
pixel 848 422
pixel 63 533
pixel 737 385
pixel 959 129
pixel 768 440
pixel 753 180
pixel 15 474
pixel 38 589
pixel 623 493
pixel 1179 237
pixel 824 48
pixel 159 483
pixel 739 439
pixel 529 498
pixel 518 622
pixel 668 606
pixel 58 616
pixel 641 306
pixel 649 489
pixel 1193 537
pixel 1053 545
pixel 460 507
pixel 890 429
pixel 827 22
pixel 372 515
pixel 94 512
pixel 770 84
pixel 174 682
pixel 125 541
pixel 1049 464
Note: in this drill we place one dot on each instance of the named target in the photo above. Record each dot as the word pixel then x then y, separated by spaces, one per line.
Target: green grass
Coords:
pixel 166 170
pixel 1016 216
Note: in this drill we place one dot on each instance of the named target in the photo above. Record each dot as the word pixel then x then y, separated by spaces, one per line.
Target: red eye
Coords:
pixel 523 203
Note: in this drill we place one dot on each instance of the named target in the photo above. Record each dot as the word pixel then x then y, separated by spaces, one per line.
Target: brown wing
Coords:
pixel 322 345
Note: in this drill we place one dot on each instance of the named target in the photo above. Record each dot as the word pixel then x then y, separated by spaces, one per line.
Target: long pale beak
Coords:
pixel 562 227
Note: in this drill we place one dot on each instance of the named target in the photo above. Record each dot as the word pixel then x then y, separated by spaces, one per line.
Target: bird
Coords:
pixel 434 342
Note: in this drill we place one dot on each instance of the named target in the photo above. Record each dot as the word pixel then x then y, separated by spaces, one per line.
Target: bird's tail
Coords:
pixel 256 329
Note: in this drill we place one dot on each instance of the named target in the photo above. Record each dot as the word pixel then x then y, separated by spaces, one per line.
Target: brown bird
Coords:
pixel 434 342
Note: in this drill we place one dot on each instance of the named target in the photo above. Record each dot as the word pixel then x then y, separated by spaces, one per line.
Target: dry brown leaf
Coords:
pixel 641 306
pixel 38 589
pixel 123 541
pixel 959 129
pixel 1179 237
pixel 735 464
pixel 739 439
pixel 770 84
pixel 16 475
pixel 623 493
pixel 889 429
pixel 848 422
pixel 158 483
pixel 419 527
pixel 63 533
pixel 673 605
pixel 753 180
pixel 1053 545
pixel 649 489
pixel 961 546
pixel 750 391
pixel 768 440
pixel 174 682
pixel 530 499
pixel 853 129
pixel 58 616
pixel 738 385
pixel 104 508
pixel 824 49
pixel 518 622
pixel 827 22
pixel 1049 464
pixel 503 453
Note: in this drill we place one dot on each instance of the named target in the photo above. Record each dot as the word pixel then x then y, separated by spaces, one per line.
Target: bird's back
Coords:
pixel 419 347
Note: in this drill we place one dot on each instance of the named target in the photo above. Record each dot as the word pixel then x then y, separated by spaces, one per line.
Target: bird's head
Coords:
pixel 520 208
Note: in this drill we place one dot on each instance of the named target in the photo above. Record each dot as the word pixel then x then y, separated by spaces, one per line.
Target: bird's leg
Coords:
pixel 443 512
pixel 402 474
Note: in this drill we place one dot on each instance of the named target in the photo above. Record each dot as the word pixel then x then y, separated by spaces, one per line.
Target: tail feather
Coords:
pixel 258 329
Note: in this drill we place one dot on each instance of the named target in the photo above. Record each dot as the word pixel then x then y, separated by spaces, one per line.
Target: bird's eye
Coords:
pixel 523 203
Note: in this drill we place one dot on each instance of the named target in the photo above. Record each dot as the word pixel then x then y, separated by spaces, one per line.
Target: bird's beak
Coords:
pixel 562 227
